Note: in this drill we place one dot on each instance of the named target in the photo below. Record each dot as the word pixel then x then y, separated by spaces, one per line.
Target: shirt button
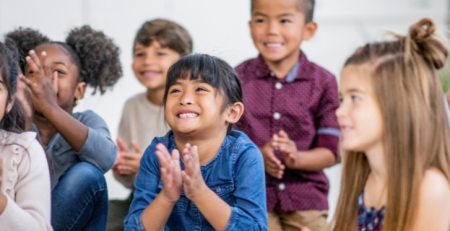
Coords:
pixel 276 115
pixel 278 86
pixel 281 186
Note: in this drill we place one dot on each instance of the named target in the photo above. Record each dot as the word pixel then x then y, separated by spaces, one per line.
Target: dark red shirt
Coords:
pixel 305 108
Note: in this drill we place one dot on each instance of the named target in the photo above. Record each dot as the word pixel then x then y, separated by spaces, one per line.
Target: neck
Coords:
pixel 156 96
pixel 45 128
pixel 377 163
pixel 283 66
pixel 207 147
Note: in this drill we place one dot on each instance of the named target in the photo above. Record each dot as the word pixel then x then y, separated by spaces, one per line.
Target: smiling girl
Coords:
pixel 217 183
pixel 396 136
pixel 78 145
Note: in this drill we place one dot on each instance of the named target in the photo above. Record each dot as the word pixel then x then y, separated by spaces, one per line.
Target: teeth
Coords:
pixel 188 115
pixel 273 44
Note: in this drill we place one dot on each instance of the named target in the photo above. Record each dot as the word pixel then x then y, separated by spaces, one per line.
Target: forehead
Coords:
pixel 153 44
pixel 55 53
pixel 277 6
pixel 355 78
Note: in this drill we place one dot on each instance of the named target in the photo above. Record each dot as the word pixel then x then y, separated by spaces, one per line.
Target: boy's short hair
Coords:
pixel 305 6
pixel 167 34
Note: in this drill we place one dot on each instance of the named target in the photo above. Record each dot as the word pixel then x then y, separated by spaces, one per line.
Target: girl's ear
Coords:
pixel 81 89
pixel 10 104
pixel 234 113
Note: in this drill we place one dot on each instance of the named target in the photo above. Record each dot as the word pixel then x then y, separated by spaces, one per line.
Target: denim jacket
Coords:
pixel 235 174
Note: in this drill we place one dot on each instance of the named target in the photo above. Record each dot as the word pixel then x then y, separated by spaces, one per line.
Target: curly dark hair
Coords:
pixel 25 40
pixel 99 65
pixel 94 54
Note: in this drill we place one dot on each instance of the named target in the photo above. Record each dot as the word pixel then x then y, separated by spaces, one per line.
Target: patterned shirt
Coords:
pixel 369 219
pixel 304 108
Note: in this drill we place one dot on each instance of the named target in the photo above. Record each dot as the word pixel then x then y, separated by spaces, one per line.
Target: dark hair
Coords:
pixel 305 6
pixel 94 54
pixel 14 120
pixel 211 70
pixel 25 40
pixel 167 34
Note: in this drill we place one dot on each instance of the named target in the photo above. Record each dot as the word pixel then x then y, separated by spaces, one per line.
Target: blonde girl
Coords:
pixel 395 136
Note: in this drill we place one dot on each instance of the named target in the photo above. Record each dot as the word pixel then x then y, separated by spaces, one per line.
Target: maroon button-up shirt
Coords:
pixel 305 109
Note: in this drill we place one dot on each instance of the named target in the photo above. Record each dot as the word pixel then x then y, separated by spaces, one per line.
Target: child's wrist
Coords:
pixel 201 194
pixel 167 200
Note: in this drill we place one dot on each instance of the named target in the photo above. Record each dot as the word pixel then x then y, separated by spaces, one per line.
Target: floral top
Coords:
pixel 369 219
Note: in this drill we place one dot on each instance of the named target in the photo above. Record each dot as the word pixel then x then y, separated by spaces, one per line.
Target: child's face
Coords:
pixel 151 64
pixel 278 28
pixel 193 107
pixel 359 115
pixel 61 62
pixel 5 106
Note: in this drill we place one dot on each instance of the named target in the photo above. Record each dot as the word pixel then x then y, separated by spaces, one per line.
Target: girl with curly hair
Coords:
pixel 79 147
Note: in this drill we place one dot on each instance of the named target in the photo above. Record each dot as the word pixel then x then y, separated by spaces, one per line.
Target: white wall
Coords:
pixel 218 27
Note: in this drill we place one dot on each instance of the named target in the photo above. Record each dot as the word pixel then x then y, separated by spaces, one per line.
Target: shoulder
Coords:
pixel 247 66
pixel 136 100
pixel 323 75
pixel 149 153
pixel 89 118
pixel 243 146
pixel 434 187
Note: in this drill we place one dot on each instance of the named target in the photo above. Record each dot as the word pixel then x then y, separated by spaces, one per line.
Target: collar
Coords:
pixel 296 72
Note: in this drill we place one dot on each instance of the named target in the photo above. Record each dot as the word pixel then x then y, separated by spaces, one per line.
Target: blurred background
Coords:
pixel 220 28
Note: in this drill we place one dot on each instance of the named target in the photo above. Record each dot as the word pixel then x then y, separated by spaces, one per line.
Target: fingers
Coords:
pixel 27 82
pixel 136 147
pixel 283 134
pixel 122 146
pixel 34 63
pixel 55 81
pixel 46 65
pixel 163 156
pixel 188 160
pixel 1 170
pixel 176 160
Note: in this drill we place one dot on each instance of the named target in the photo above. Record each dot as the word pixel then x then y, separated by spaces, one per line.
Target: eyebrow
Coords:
pixel 285 14
pixel 60 63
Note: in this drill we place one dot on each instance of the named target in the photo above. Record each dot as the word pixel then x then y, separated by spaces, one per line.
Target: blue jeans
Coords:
pixel 80 199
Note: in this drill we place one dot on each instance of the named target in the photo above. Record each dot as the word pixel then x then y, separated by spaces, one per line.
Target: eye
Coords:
pixel 174 91
pixel 259 20
pixel 60 72
pixel 160 53
pixel 140 54
pixel 356 98
pixel 285 21
pixel 201 89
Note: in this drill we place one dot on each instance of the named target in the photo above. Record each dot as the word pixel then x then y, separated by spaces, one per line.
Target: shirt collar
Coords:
pixel 295 73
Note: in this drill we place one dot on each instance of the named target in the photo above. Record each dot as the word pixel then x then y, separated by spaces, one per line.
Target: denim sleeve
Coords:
pixel 99 149
pixel 250 210
pixel 146 188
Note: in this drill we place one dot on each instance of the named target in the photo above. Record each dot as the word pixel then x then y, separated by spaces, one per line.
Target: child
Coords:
pixel 290 104
pixel 24 181
pixel 78 146
pixel 396 136
pixel 158 45
pixel 218 182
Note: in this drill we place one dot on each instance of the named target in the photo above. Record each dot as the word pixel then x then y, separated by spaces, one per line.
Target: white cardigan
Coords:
pixel 26 183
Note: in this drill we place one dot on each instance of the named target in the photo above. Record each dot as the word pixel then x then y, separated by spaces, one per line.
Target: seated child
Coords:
pixel 79 147
pixel 158 44
pixel 396 136
pixel 217 183
pixel 290 104
pixel 24 177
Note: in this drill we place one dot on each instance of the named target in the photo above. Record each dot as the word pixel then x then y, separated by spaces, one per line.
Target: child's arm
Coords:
pixel 150 211
pixel 250 210
pixel 433 212
pixel 312 160
pixel 213 208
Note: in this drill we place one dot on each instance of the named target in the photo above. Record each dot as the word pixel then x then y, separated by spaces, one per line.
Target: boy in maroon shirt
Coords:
pixel 289 114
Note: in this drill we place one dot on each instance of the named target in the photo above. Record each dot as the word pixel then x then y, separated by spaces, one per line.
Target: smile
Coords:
pixel 273 45
pixel 188 115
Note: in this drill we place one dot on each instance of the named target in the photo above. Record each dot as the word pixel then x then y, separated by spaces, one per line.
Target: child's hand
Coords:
pixel 272 164
pixel 127 162
pixel 287 147
pixel 192 175
pixel 3 199
pixel 43 83
pixel 170 173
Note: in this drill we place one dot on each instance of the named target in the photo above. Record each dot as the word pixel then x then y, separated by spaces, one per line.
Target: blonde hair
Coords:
pixel 416 133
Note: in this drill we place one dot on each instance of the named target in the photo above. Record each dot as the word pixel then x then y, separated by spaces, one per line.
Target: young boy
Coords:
pixel 290 114
pixel 158 44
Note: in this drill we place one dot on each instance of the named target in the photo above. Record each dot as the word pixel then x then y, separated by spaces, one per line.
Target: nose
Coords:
pixel 272 27
pixel 186 99
pixel 149 59
pixel 340 112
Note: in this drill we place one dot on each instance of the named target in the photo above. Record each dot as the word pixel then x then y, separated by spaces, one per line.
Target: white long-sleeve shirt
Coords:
pixel 26 183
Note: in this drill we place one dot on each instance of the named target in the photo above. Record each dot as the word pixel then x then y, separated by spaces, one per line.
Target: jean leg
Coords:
pixel 79 198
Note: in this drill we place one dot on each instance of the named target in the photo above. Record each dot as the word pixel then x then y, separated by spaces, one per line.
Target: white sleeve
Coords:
pixel 32 205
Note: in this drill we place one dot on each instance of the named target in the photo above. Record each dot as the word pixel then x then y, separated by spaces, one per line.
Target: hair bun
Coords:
pixel 423 40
